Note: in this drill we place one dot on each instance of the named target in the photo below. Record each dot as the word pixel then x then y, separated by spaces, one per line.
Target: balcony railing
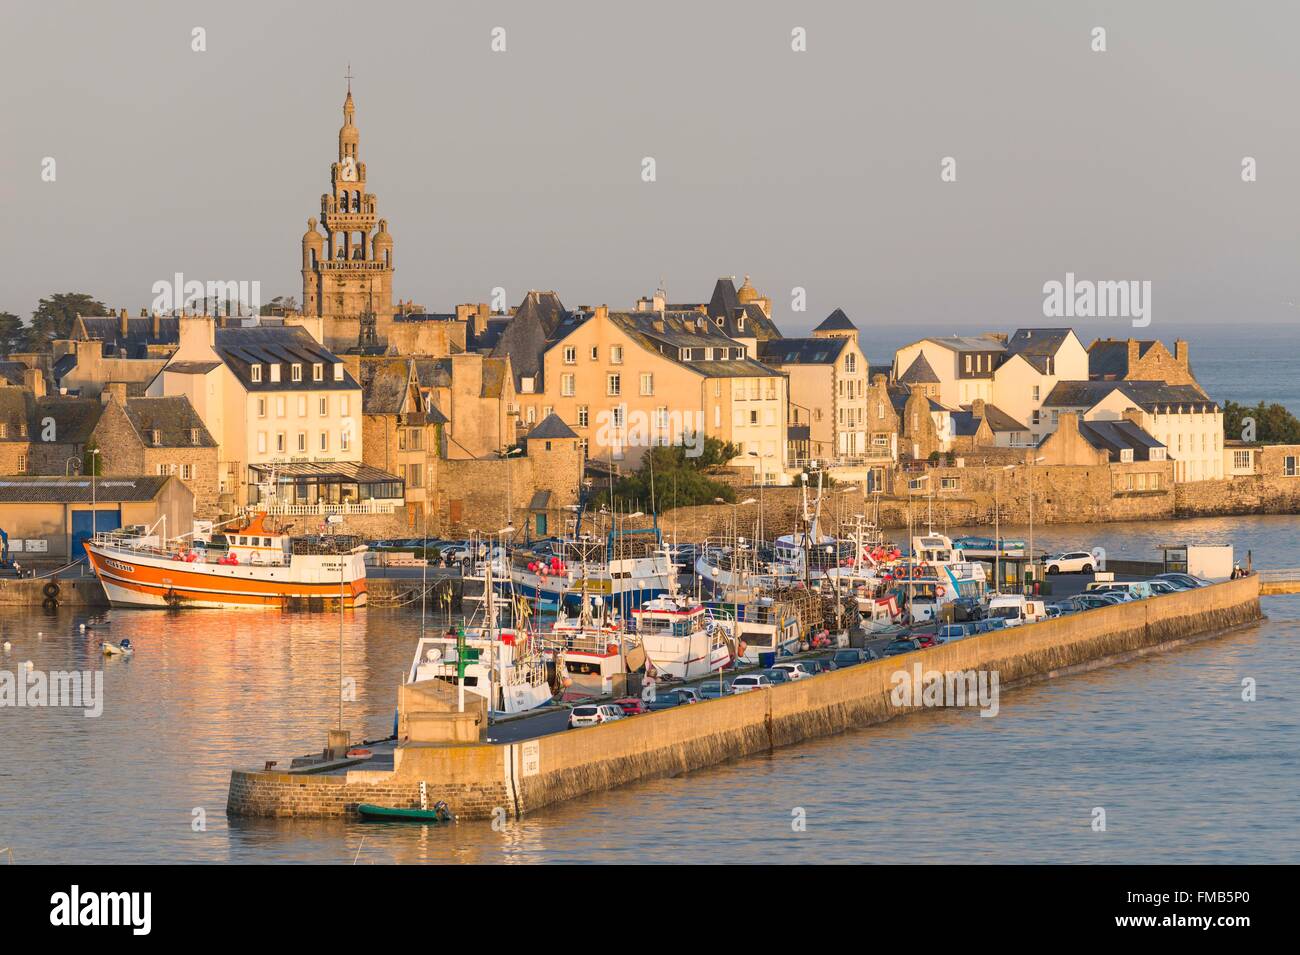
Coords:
pixel 358 507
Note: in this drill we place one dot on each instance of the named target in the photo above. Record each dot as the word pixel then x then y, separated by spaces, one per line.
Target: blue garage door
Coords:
pixel 86 523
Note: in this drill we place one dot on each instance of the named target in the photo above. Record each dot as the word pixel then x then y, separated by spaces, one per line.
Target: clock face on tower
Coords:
pixel 348 170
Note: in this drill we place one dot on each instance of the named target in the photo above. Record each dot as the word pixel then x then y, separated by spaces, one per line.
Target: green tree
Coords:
pixel 678 480
pixel 1273 424
pixel 54 316
pixel 12 334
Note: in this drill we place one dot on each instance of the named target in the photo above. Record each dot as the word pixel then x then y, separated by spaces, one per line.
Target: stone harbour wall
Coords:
pixel 480 779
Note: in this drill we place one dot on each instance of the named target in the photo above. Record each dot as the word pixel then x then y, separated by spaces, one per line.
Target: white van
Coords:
pixel 1016 609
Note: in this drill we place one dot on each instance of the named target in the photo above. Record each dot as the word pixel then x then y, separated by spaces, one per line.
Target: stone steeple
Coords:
pixel 348 271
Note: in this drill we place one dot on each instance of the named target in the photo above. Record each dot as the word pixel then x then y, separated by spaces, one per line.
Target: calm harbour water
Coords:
pixel 1186 771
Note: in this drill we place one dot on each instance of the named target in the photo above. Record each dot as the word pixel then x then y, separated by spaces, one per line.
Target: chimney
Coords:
pixel 977 408
pixel 157 326
pixel 197 335
pixel 1068 423
pixel 878 380
pixel 1132 353
pixel 1134 415
pixel 121 322
pixel 114 390
pixel 602 311
pixel 1181 353
pixel 34 381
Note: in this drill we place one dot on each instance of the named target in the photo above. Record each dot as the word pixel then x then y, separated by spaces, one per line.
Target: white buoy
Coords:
pixel 83 626
pixel 8 646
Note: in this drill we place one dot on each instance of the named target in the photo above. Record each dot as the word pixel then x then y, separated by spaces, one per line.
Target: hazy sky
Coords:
pixel 522 169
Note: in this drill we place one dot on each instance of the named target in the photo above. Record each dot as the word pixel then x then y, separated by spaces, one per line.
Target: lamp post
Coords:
pixel 762 480
pixel 94 468
pixel 1032 462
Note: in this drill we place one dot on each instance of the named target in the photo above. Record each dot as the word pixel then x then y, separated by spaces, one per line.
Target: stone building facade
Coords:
pixel 158 436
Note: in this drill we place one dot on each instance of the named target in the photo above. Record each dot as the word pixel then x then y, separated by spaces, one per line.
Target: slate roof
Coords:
pixel 1144 394
pixel 12 372
pixel 1108 357
pixel 530 330
pixel 725 306
pixel 1036 345
pixel 551 427
pixel 971 343
pixel 999 420
pixel 192 367
pixel 74 418
pixel 16 413
pixel 920 372
pixel 433 372
pixel 139 335
pixel 173 417
pixel 79 490
pixel 669 332
pixel 802 351
pixel 384 388
pixel 836 321
pixel 241 348
pixel 1116 436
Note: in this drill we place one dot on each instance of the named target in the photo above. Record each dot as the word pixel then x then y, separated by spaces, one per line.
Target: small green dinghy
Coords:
pixel 439 813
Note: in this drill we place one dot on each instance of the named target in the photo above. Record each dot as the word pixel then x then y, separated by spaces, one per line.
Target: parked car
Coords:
pixel 750 681
pixel 1187 580
pixel 798 669
pixel 902 645
pixel 712 689
pixel 1164 587
pixel 1017 609
pixel 688 694
pixel 591 714
pixel 850 657
pixel 776 676
pixel 967 608
pixel 664 702
pixel 1093 601
pixel 952 631
pixel 1135 589
pixel 1052 611
pixel 819 665
pixel 632 706
pixel 926 640
pixel 1074 562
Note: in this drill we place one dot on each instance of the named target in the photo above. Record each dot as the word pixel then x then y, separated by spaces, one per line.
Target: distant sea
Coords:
pixel 1244 363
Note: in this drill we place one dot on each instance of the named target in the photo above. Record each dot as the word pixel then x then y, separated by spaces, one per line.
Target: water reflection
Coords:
pixel 1184 768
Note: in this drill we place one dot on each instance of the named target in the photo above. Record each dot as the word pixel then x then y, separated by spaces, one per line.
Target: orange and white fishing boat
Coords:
pixel 251 564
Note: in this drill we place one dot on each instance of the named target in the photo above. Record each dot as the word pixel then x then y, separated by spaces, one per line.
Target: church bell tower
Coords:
pixel 347 273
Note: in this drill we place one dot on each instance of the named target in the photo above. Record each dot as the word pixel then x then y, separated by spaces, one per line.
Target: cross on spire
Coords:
pixel 348 76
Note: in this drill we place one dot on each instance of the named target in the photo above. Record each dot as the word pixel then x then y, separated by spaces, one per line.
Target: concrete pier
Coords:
pixel 478 779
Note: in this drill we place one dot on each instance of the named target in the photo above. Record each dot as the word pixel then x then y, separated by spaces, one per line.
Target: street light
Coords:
pixel 94 467
pixel 1032 462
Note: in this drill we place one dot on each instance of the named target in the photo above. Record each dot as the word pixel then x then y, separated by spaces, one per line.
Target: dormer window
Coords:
pixel 194 435
pixel 740 324
pixel 275 372
pixel 257 373
pixel 155 437
pixel 296 371
pixel 338 372
pixel 317 372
